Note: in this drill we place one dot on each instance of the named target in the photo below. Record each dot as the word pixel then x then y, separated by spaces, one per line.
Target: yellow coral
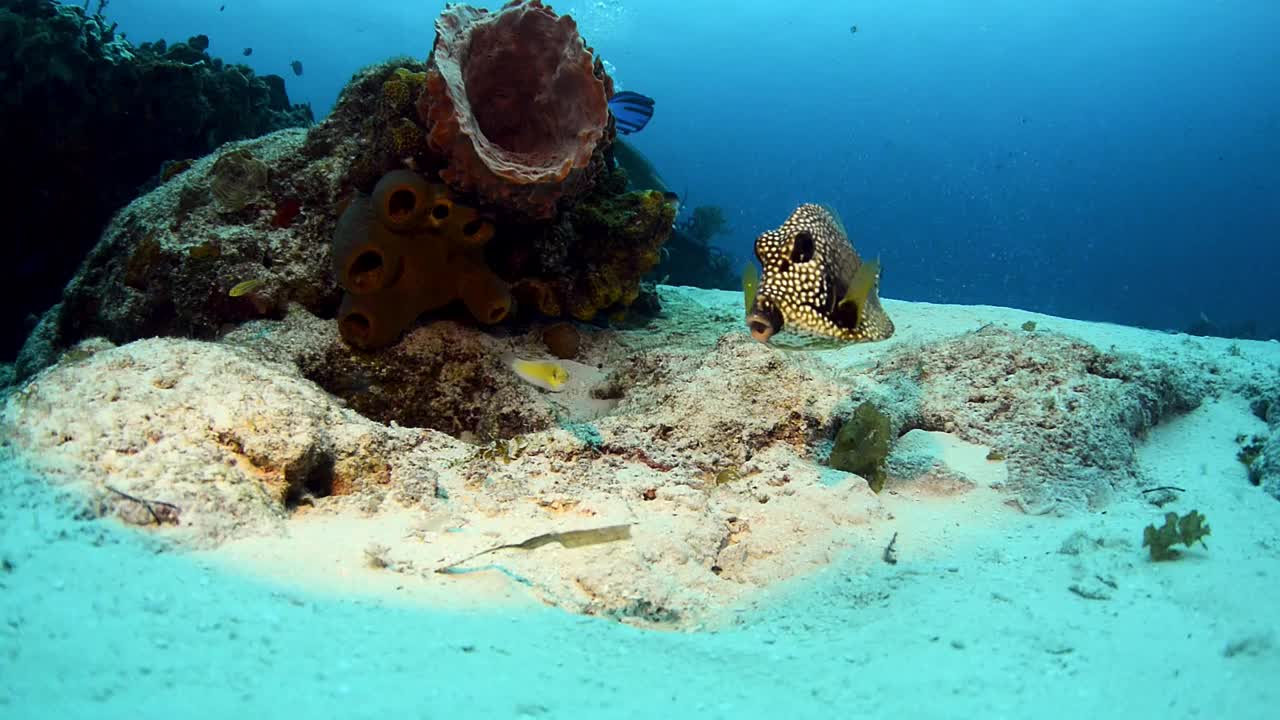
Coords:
pixel 411 78
pixel 407 139
pixel 401 90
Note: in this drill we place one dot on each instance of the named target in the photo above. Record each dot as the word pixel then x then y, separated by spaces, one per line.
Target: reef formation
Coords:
pixel 537 224
pixel 90 119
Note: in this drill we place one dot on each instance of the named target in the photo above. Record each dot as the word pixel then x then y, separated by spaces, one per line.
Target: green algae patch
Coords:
pixel 862 445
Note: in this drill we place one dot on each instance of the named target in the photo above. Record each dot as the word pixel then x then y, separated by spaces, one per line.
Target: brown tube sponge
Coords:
pixel 517 104
pixel 407 249
pixel 363 262
pixel 486 296
pixel 400 200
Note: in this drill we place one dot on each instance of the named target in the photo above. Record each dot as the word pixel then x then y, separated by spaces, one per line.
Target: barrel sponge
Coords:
pixel 407 249
pixel 516 103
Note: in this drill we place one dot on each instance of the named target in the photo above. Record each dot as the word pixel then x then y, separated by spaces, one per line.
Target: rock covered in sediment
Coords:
pixel 235 436
pixel 711 447
pixel 708 409
pixel 230 440
pixel 444 376
pixel 167 263
pixel 1261 453
pixel 1065 415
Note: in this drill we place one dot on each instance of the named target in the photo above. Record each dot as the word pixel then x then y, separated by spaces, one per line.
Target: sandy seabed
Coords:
pixel 997 606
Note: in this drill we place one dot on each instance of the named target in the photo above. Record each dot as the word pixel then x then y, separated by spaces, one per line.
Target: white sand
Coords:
pixel 983 615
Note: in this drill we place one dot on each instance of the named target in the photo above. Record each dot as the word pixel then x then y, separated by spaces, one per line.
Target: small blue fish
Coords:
pixel 631 111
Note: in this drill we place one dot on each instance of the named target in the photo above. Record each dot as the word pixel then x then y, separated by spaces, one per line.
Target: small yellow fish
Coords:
pixel 246 287
pixel 543 373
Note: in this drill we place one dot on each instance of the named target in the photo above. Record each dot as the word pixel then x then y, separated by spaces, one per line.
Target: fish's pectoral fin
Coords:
pixel 750 285
pixel 860 288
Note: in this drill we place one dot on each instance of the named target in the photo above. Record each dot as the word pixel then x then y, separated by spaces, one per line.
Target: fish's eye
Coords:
pixel 802 247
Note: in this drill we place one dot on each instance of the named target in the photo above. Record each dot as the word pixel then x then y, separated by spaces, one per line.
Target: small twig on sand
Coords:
pixel 891 551
pixel 1163 487
pixel 162 512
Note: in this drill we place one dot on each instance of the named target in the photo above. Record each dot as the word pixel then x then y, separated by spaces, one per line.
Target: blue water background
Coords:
pixel 1104 159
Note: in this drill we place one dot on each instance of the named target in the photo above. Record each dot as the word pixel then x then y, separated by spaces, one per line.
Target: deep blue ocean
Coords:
pixel 1113 160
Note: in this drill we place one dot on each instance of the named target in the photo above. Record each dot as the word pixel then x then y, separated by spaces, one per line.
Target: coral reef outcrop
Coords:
pixel 374 127
pixel 517 104
pixel 345 219
pixel 168 262
pixel 89 118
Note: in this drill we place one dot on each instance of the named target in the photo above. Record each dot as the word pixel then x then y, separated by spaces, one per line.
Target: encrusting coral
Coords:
pixel 517 103
pixel 618 241
pixel 407 249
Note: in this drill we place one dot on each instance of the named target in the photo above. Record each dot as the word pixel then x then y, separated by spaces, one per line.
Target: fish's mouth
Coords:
pixel 763 325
